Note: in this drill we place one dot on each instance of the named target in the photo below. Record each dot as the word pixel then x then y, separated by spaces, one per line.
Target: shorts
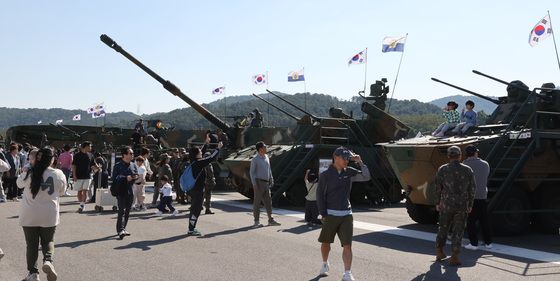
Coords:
pixel 341 226
pixel 82 184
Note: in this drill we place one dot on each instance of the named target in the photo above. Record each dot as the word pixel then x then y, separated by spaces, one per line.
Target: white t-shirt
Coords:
pixel 166 189
pixel 43 210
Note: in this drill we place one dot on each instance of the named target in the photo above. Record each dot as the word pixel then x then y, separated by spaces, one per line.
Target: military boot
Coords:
pixel 454 260
pixel 440 255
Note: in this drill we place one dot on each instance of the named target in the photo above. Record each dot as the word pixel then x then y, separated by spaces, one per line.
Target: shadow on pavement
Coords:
pixel 303 228
pixel 76 244
pixel 439 271
pixel 148 244
pixel 226 232
pixel 511 264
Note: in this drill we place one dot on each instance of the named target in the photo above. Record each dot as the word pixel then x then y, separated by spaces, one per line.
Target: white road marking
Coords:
pixel 421 235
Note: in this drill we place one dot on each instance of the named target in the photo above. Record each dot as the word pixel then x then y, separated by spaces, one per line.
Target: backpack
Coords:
pixel 114 189
pixel 187 180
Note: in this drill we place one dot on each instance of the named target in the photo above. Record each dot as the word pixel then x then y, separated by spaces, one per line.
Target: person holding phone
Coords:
pixel 124 178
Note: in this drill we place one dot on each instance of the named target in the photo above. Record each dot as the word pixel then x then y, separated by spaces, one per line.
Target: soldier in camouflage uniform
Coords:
pixel 209 184
pixel 455 187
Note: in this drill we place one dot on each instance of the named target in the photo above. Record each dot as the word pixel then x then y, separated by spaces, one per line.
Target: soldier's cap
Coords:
pixel 454 151
pixel 471 149
pixel 343 152
pixel 163 156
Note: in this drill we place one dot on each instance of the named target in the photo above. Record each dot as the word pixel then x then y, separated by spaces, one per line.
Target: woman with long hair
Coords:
pixel 39 211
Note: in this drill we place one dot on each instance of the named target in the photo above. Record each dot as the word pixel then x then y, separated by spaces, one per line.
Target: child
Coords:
pixel 451 119
pixel 166 198
pixel 100 176
pixel 138 186
pixel 468 118
pixel 311 209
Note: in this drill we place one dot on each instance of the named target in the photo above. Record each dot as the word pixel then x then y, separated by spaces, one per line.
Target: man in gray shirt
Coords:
pixel 262 180
pixel 481 170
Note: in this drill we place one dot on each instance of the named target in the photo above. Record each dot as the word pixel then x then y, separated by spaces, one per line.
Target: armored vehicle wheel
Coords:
pixel 419 213
pixel 547 197
pixel 512 223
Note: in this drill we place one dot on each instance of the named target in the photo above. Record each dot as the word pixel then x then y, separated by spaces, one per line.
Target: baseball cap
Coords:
pixel 471 149
pixel 343 152
pixel 454 151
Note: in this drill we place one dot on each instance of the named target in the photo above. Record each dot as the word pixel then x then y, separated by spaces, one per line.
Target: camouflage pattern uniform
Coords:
pixel 455 187
pixel 209 184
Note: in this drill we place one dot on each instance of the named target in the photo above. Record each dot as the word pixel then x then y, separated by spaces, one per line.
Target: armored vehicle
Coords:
pixel 307 146
pixel 521 142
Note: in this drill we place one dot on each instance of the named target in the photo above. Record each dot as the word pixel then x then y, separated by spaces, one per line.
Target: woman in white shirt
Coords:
pixel 39 211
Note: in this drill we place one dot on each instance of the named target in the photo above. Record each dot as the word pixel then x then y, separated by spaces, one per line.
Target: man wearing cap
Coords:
pixel 262 180
pixel 481 170
pixel 333 201
pixel 455 187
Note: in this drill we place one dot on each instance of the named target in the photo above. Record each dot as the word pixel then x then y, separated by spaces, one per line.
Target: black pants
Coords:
pixel 479 214
pixel 311 212
pixel 197 196
pixel 166 201
pixel 124 203
pixel 12 190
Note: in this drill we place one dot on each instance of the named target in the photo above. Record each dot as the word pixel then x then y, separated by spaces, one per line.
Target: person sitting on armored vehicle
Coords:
pixel 451 116
pixel 139 127
pixel 378 92
pixel 248 120
pixel 468 119
pixel 257 122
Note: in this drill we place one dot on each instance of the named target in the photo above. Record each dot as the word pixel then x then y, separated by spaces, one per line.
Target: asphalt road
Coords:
pixel 396 249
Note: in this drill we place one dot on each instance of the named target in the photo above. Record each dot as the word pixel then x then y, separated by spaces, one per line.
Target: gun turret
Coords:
pixel 315 118
pixel 170 87
pixel 468 91
pixel 280 109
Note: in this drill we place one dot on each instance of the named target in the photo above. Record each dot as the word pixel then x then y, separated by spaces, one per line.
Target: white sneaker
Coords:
pixel 348 277
pixel 1 254
pixel 257 224
pixel 471 247
pixel 67 194
pixel 158 213
pixel 32 277
pixel 48 268
pixel 324 270
pixel 176 212
pixel 488 246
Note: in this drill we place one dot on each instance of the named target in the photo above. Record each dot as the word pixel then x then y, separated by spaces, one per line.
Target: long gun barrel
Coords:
pixel 168 85
pixel 297 107
pixel 281 110
pixel 468 91
pixel 490 77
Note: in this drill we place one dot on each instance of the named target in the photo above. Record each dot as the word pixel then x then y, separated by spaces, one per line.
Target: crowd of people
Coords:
pixel 38 177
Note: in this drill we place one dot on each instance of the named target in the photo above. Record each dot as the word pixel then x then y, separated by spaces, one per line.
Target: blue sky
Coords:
pixel 51 55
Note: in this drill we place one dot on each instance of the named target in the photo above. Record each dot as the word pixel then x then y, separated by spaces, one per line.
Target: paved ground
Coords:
pixel 388 246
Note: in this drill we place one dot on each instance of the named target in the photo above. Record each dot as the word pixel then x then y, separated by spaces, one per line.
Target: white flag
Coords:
pixel 219 90
pixel 59 121
pixel 358 58
pixel 259 79
pixel 541 30
pixel 77 117
pixel 40 121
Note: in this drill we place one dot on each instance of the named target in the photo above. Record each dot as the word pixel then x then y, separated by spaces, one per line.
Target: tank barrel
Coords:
pixel 280 109
pixel 297 107
pixel 490 77
pixel 468 91
pixel 168 85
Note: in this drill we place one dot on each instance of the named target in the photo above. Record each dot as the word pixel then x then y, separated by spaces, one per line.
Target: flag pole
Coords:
pixel 396 77
pixel 365 74
pixel 268 123
pixel 554 39
pixel 304 90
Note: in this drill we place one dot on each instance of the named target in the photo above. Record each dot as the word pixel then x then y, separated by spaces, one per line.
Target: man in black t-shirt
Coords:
pixel 81 173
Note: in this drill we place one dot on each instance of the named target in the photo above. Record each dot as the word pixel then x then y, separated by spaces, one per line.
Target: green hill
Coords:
pixel 419 115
